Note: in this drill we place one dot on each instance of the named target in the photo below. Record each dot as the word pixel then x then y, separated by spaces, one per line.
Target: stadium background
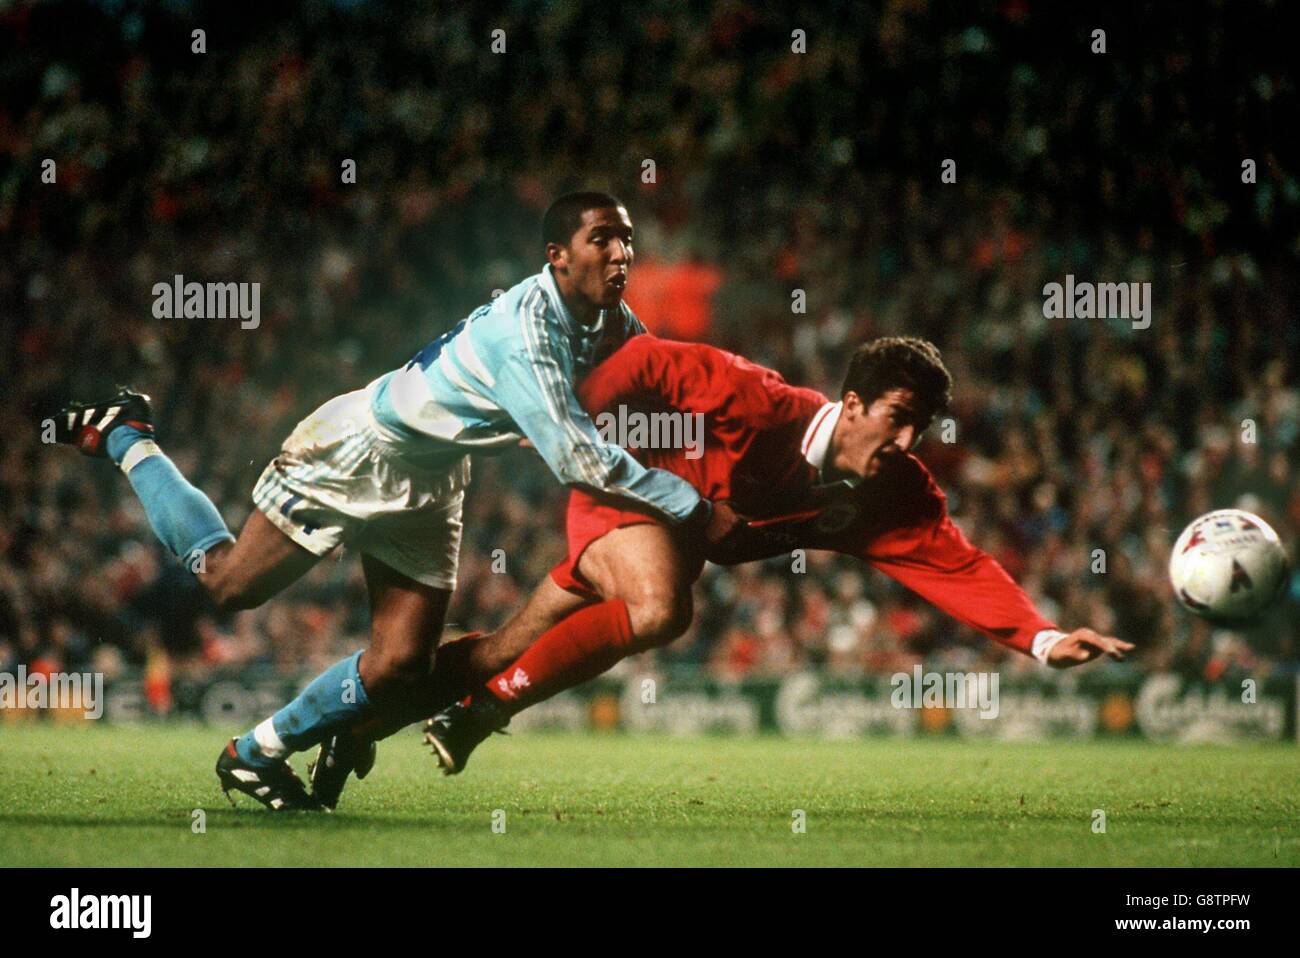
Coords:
pixel 774 171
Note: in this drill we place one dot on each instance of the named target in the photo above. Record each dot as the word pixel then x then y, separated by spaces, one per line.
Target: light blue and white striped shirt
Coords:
pixel 508 371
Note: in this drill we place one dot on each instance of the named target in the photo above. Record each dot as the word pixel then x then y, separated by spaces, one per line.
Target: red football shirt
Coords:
pixel 764 444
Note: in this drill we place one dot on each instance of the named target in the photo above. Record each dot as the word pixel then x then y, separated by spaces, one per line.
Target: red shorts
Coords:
pixel 590 516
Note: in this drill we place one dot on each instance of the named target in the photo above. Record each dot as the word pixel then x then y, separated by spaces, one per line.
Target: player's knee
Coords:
pixel 228 585
pixel 229 593
pixel 659 616
pixel 397 664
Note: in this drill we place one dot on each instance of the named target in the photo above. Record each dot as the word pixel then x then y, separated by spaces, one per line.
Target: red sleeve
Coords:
pixel 938 563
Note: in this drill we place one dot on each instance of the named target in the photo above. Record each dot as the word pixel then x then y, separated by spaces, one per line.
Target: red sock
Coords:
pixel 579 648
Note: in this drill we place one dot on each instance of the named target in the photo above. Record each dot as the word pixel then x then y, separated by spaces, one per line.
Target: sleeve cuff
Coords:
pixel 700 515
pixel 1043 643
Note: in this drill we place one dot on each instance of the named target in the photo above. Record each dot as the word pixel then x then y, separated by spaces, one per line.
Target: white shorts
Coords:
pixel 336 481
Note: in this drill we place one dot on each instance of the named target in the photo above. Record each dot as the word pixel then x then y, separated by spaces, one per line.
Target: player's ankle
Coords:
pixel 249 753
pixel 121 439
pixel 489 697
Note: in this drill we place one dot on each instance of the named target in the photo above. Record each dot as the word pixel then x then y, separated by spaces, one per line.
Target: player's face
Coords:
pixel 592 270
pixel 868 434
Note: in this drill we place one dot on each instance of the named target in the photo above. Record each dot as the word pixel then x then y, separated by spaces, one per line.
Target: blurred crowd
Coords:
pixel 772 172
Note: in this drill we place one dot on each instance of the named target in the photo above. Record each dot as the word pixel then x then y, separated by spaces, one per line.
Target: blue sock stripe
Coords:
pixel 333 698
pixel 121 439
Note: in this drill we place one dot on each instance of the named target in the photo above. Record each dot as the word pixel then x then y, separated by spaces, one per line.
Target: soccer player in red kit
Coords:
pixel 807 472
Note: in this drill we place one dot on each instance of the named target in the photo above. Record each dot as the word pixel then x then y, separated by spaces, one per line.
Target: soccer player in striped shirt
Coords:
pixel 383 470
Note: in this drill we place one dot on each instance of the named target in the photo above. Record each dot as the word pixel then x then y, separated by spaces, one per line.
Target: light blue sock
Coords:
pixel 334 697
pixel 181 516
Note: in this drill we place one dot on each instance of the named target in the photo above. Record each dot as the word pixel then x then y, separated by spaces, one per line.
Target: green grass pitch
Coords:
pixel 127 796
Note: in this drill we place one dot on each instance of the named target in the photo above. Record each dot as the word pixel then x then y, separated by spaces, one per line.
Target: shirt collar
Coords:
pixel 817 441
pixel 547 280
pixel 817 438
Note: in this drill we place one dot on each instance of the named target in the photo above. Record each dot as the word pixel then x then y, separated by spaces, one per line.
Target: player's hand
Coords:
pixel 731 539
pixel 724 522
pixel 1084 645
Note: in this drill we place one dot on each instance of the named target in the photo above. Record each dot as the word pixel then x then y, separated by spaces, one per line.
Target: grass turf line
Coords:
pixel 126 795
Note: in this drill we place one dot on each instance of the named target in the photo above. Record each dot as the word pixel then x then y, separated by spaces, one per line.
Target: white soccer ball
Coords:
pixel 1228 566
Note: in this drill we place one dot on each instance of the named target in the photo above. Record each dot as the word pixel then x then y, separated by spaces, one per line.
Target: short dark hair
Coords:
pixel 901 362
pixel 565 214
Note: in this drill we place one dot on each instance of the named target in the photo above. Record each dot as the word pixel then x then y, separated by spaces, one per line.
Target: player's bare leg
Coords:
pixel 464 664
pixel 243 574
pixel 644 566
pixel 388 677
pixel 548 605
pixel 258 565
pixel 459 667
pixel 406 620
pixel 237 574
pixel 645 581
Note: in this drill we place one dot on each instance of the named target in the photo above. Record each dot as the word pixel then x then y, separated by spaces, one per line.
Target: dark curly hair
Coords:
pixel 901 362
pixel 564 216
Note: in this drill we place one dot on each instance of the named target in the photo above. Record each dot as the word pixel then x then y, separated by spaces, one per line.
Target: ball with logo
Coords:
pixel 1228 566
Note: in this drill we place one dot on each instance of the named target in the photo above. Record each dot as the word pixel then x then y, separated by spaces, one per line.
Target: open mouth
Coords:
pixel 618 281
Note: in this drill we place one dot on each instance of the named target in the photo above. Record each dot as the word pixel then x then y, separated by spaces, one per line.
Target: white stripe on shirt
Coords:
pixel 546 368
pixel 465 354
pixel 447 366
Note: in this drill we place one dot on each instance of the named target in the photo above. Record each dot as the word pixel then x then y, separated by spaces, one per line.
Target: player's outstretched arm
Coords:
pixel 937 562
pixel 1084 645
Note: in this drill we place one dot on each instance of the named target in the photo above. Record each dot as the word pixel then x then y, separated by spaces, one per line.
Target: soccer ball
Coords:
pixel 1228 566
